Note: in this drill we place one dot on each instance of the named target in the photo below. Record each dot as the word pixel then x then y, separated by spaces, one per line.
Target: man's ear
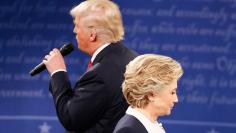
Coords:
pixel 93 35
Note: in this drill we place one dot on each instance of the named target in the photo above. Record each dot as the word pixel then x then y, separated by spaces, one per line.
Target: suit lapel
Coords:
pixel 138 125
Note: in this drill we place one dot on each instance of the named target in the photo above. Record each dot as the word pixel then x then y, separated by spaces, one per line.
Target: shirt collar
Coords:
pixel 150 126
pixel 98 51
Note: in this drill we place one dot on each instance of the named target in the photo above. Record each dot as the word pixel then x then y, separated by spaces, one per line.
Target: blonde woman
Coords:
pixel 149 87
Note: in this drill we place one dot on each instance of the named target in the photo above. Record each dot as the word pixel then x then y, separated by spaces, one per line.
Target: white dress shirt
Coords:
pixel 98 51
pixel 150 126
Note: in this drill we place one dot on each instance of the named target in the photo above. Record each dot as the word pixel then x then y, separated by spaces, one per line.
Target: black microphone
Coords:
pixel 64 50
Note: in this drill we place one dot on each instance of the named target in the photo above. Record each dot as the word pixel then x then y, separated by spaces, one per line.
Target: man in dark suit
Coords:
pixel 96 103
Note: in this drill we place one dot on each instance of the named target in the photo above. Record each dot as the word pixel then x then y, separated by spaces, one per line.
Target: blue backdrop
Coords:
pixel 198 33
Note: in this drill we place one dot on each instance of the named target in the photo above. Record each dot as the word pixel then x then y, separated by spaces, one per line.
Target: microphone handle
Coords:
pixel 64 50
pixel 39 68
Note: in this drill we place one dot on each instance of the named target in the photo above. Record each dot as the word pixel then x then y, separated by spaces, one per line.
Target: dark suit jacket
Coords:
pixel 96 103
pixel 129 124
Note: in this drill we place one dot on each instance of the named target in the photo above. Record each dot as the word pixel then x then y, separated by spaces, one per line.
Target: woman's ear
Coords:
pixel 150 96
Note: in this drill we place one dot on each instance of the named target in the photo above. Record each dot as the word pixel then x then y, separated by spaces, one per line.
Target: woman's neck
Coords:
pixel 147 113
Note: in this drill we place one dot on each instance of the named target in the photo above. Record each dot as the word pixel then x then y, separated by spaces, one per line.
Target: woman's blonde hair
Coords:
pixel 146 74
pixel 103 16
